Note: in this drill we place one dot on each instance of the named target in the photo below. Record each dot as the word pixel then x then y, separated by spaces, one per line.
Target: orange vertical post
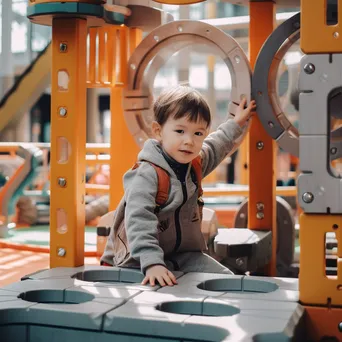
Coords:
pixel 123 150
pixel 135 37
pixel 92 55
pixel 262 200
pixel 68 140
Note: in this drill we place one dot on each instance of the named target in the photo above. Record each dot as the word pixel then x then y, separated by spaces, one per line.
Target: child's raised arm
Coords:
pixel 221 142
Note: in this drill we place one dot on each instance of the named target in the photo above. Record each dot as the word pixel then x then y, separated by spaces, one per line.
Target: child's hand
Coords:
pixel 161 274
pixel 243 114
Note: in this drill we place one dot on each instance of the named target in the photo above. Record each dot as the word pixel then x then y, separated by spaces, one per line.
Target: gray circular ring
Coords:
pixel 153 51
pixel 263 89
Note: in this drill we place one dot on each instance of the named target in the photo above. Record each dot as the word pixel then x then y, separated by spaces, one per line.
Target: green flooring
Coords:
pixel 40 236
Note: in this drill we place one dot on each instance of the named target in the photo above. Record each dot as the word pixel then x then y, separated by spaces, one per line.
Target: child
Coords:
pixel 171 238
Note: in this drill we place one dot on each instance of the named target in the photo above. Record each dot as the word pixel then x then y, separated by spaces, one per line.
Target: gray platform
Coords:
pixel 95 303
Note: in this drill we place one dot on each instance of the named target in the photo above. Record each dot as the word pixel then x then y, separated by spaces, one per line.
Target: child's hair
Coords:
pixel 181 101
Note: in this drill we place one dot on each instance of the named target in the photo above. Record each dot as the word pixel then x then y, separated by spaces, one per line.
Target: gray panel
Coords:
pixel 316 179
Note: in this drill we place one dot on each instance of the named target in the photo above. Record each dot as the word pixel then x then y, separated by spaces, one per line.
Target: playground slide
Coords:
pixel 27 89
pixel 23 176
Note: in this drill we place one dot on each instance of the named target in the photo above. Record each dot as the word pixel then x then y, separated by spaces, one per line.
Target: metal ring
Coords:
pixel 264 88
pixel 153 52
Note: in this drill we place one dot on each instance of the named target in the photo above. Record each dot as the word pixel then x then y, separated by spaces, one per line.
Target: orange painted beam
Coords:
pixel 322 322
pixel 124 149
pixel 68 141
pixel 315 286
pixel 262 200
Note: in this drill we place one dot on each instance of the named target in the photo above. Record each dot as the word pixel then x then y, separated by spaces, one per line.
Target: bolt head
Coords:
pixel 62 111
pixel 61 252
pixel 63 47
pixel 260 145
pixel 333 150
pixel 62 182
pixel 260 206
pixel 260 215
pixel 309 68
pixel 308 197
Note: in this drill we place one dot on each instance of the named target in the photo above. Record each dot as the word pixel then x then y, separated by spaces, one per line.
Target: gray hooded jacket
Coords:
pixel 177 226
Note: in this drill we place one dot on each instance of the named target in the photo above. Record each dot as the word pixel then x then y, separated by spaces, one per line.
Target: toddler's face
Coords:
pixel 181 139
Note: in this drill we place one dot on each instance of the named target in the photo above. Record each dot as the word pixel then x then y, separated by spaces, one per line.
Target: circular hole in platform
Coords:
pixel 56 297
pixel 110 276
pixel 234 285
pixel 198 308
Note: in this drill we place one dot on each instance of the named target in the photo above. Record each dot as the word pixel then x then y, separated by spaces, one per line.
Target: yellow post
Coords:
pixel 68 138
pixel 123 148
pixel 262 200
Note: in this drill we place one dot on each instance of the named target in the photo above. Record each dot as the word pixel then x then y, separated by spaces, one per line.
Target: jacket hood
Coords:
pixel 153 153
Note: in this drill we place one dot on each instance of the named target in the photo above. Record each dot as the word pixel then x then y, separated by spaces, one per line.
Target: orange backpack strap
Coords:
pixel 163 183
pixel 197 167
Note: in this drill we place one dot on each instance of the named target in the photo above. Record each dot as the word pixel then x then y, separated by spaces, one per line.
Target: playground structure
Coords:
pixel 274 312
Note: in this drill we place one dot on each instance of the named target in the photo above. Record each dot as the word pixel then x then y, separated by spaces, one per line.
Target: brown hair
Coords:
pixel 181 101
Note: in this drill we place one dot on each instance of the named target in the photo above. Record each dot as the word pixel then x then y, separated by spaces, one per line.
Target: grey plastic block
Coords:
pixel 58 272
pixel 260 305
pixel 87 315
pixel 32 275
pixel 14 312
pixel 195 284
pixel 50 303
pixel 266 288
pixel 154 298
pixel 254 285
pixel 319 182
pixel 279 321
pixel 131 276
pixel 285 233
pixel 6 293
pixel 239 287
pixel 99 276
pixel 11 333
pixel 145 320
pixel 43 334
pixel 63 272
pixel 243 249
pixel 104 293
pixel 310 123
pixel 217 309
pixel 107 275
pixel 282 283
pixel 54 310
pixel 202 320
pixel 250 328
pixel 48 284
pixel 8 298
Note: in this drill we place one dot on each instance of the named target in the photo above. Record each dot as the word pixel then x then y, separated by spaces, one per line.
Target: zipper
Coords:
pixel 177 222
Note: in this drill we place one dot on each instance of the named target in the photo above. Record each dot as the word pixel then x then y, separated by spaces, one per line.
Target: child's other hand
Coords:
pixel 243 114
pixel 161 274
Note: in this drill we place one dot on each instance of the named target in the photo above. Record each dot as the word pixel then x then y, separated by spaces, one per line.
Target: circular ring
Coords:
pixel 264 88
pixel 153 52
